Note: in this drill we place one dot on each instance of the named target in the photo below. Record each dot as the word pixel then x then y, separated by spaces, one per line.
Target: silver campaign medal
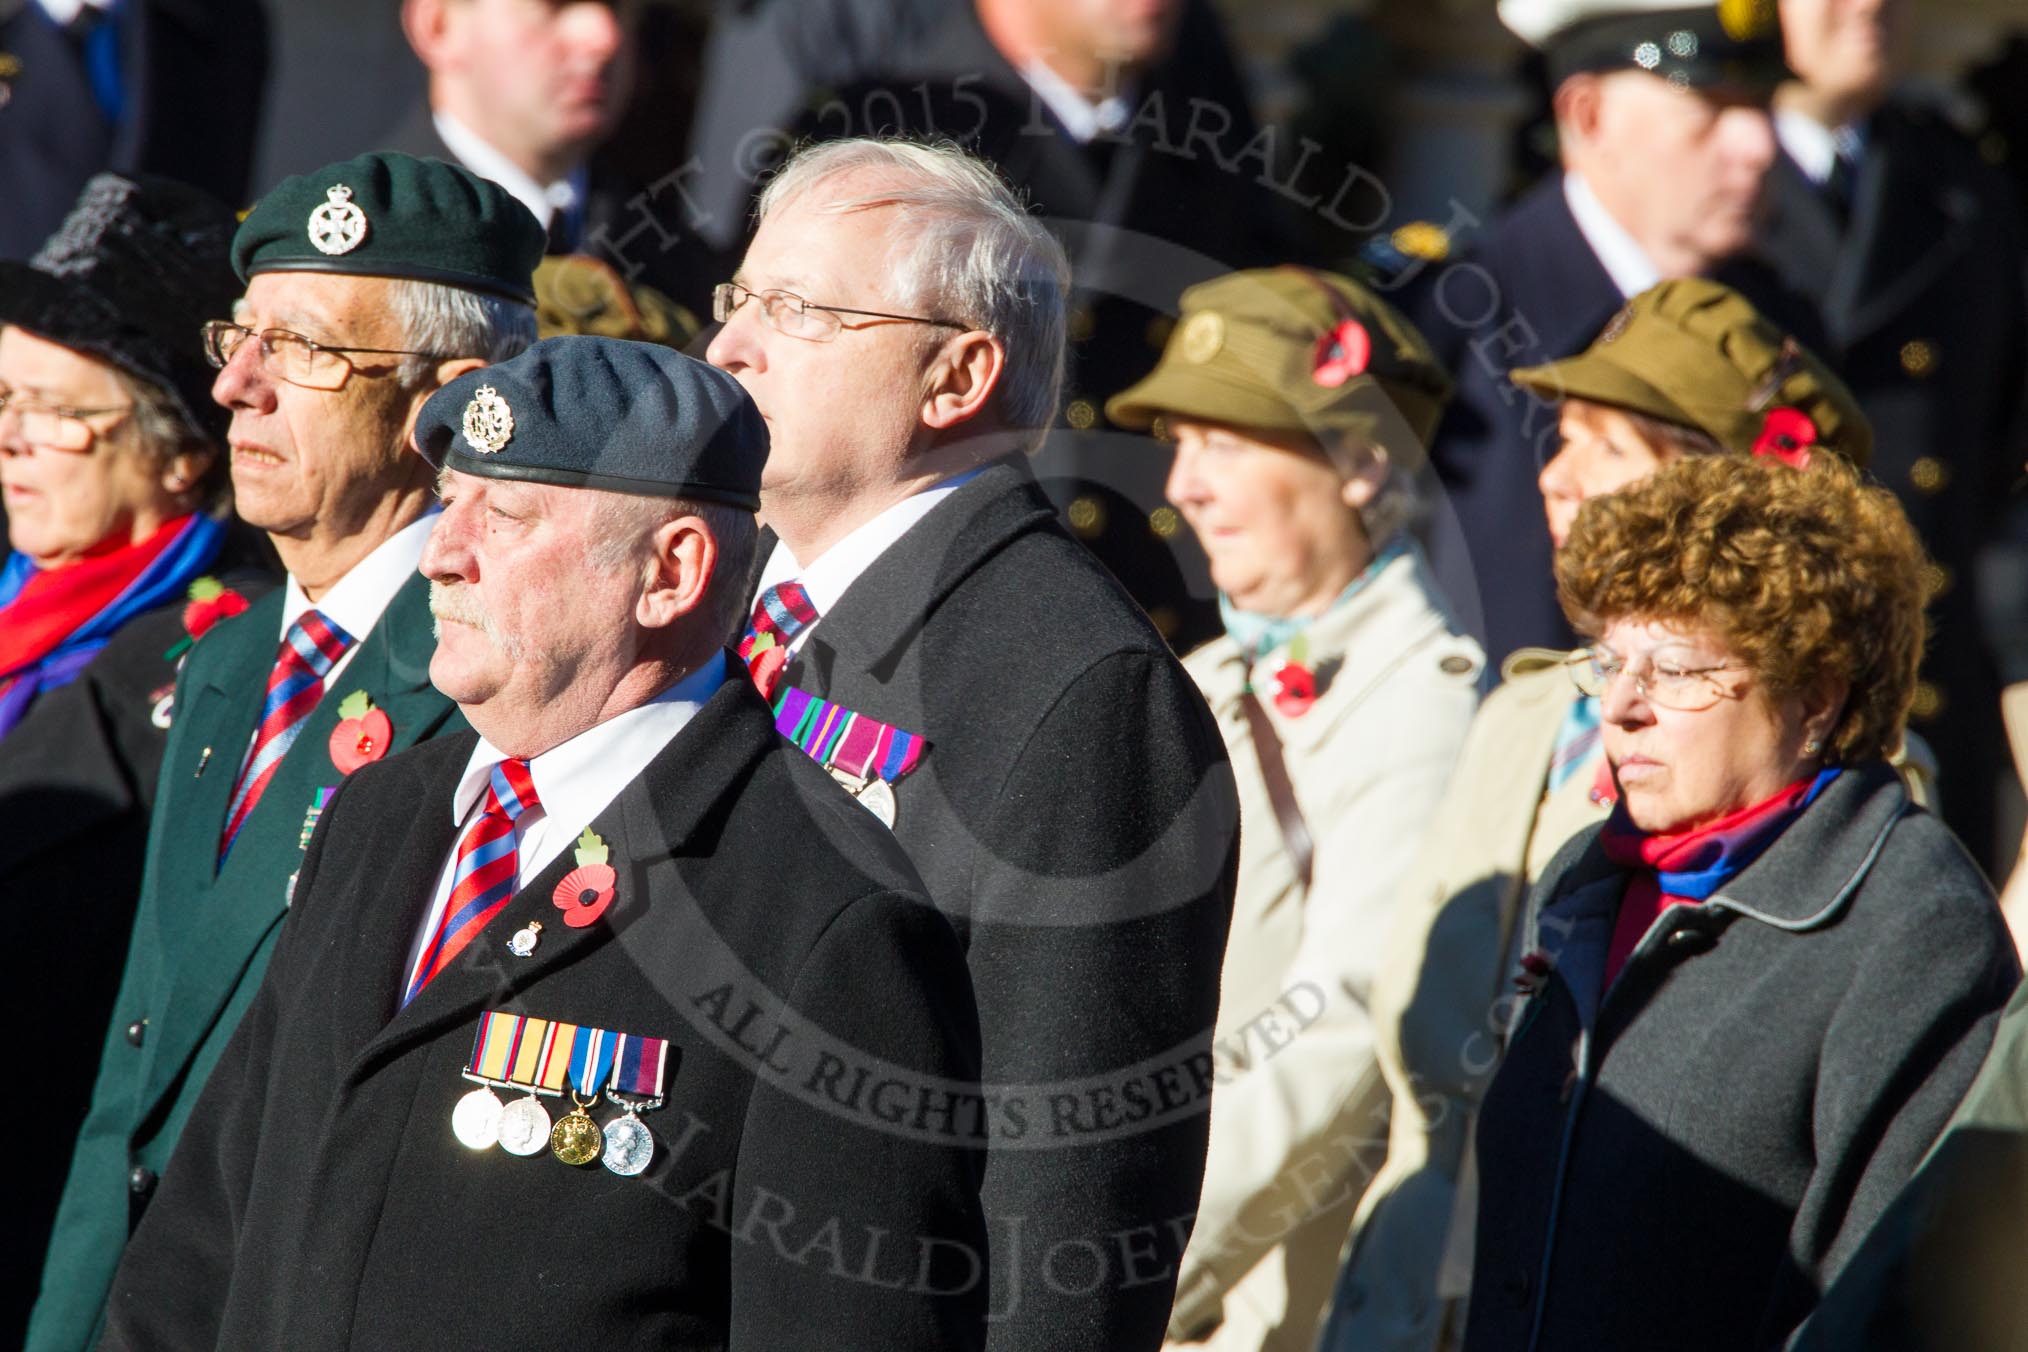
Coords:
pixel 524 1126
pixel 878 798
pixel 876 795
pixel 629 1144
pixel 476 1120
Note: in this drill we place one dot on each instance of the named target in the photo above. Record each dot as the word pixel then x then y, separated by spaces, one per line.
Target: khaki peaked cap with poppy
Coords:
pixel 1697 354
pixel 1290 349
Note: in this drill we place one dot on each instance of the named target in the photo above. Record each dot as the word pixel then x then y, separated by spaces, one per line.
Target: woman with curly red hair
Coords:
pixel 1754 995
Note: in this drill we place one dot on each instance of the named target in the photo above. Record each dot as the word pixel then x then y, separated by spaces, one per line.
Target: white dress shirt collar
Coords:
pixel 1815 147
pixel 1622 256
pixel 478 155
pixel 1082 118
pixel 574 783
pixel 827 578
pixel 576 780
pixel 357 601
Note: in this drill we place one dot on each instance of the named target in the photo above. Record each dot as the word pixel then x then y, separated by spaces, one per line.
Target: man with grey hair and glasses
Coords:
pixel 369 284
pixel 926 630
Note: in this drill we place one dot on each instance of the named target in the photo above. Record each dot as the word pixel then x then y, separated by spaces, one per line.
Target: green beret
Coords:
pixel 1698 355
pixel 386 214
pixel 1291 349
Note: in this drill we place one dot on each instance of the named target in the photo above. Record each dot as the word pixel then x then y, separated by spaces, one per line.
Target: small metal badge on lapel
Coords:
pixel 337 227
pixel 523 943
pixel 489 423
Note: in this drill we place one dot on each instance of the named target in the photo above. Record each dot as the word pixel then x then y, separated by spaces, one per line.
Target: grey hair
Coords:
pixel 449 321
pixel 621 527
pixel 163 433
pixel 967 251
pixel 1397 506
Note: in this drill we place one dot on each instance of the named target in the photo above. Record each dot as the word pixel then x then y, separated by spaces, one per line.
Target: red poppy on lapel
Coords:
pixel 586 890
pixel 362 734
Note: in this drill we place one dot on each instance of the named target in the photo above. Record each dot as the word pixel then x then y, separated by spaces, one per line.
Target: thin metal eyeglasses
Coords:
pixel 787 312
pixel 59 427
pixel 292 357
pixel 1667 684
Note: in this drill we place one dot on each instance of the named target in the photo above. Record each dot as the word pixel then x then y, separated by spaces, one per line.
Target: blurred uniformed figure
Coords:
pixel 525 94
pixel 131 86
pixel 1665 139
pixel 1090 107
pixel 1911 247
pixel 1298 404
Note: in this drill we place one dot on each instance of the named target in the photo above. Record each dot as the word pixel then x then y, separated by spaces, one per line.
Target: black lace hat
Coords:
pixel 130 277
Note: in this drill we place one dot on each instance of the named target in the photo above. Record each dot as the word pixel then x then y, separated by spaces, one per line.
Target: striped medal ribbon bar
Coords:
pixel 638 1066
pixel 837 738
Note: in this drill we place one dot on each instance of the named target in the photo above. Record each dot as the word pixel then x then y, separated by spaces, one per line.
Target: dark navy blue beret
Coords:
pixel 587 412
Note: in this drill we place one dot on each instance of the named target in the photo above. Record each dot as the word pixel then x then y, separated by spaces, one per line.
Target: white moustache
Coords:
pixel 457 603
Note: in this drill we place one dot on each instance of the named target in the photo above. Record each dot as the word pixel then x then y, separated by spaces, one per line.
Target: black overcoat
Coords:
pixel 761 922
pixel 1923 294
pixel 1075 817
pixel 77 787
pixel 1690 1167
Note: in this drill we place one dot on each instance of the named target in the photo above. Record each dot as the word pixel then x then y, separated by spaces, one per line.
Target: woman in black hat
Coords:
pixel 120 550
pixel 111 469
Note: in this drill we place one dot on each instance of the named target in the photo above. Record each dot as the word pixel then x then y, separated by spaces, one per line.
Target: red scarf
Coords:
pixel 1703 857
pixel 54 602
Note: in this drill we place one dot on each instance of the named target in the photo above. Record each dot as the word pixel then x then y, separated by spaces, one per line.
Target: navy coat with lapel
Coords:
pixel 1076 819
pixel 203 935
pixel 1529 290
pixel 760 922
pixel 191 78
pixel 1690 1165
pixel 1923 293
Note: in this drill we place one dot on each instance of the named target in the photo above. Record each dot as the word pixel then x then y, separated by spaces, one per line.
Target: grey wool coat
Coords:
pixel 1687 1162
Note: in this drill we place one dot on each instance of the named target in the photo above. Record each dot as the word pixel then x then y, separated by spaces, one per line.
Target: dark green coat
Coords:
pixel 202 936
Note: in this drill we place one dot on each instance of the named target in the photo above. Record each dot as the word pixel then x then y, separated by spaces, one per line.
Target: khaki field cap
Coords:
pixel 1290 349
pixel 1697 354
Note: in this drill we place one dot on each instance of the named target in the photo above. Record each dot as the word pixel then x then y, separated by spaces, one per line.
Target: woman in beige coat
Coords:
pixel 1687 368
pixel 1297 403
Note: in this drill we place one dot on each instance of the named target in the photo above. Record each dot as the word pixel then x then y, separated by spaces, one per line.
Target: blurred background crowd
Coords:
pixel 1791 235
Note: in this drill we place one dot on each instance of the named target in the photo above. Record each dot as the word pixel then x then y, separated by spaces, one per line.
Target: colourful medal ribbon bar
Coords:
pixel 310 817
pixel 836 737
pixel 591 1059
pixel 545 1056
pixel 638 1066
pixel 515 1049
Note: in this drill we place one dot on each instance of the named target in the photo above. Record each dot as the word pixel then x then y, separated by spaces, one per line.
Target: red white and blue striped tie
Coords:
pixel 483 881
pixel 309 650
pixel 782 612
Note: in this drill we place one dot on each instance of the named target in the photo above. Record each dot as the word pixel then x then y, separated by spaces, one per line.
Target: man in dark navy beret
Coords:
pixel 627 905
pixel 369 284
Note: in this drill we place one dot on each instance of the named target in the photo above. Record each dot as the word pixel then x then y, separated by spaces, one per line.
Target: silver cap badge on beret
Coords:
pixel 489 423
pixel 337 227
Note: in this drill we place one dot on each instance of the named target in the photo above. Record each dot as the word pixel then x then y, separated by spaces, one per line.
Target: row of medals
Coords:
pixel 624 1145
